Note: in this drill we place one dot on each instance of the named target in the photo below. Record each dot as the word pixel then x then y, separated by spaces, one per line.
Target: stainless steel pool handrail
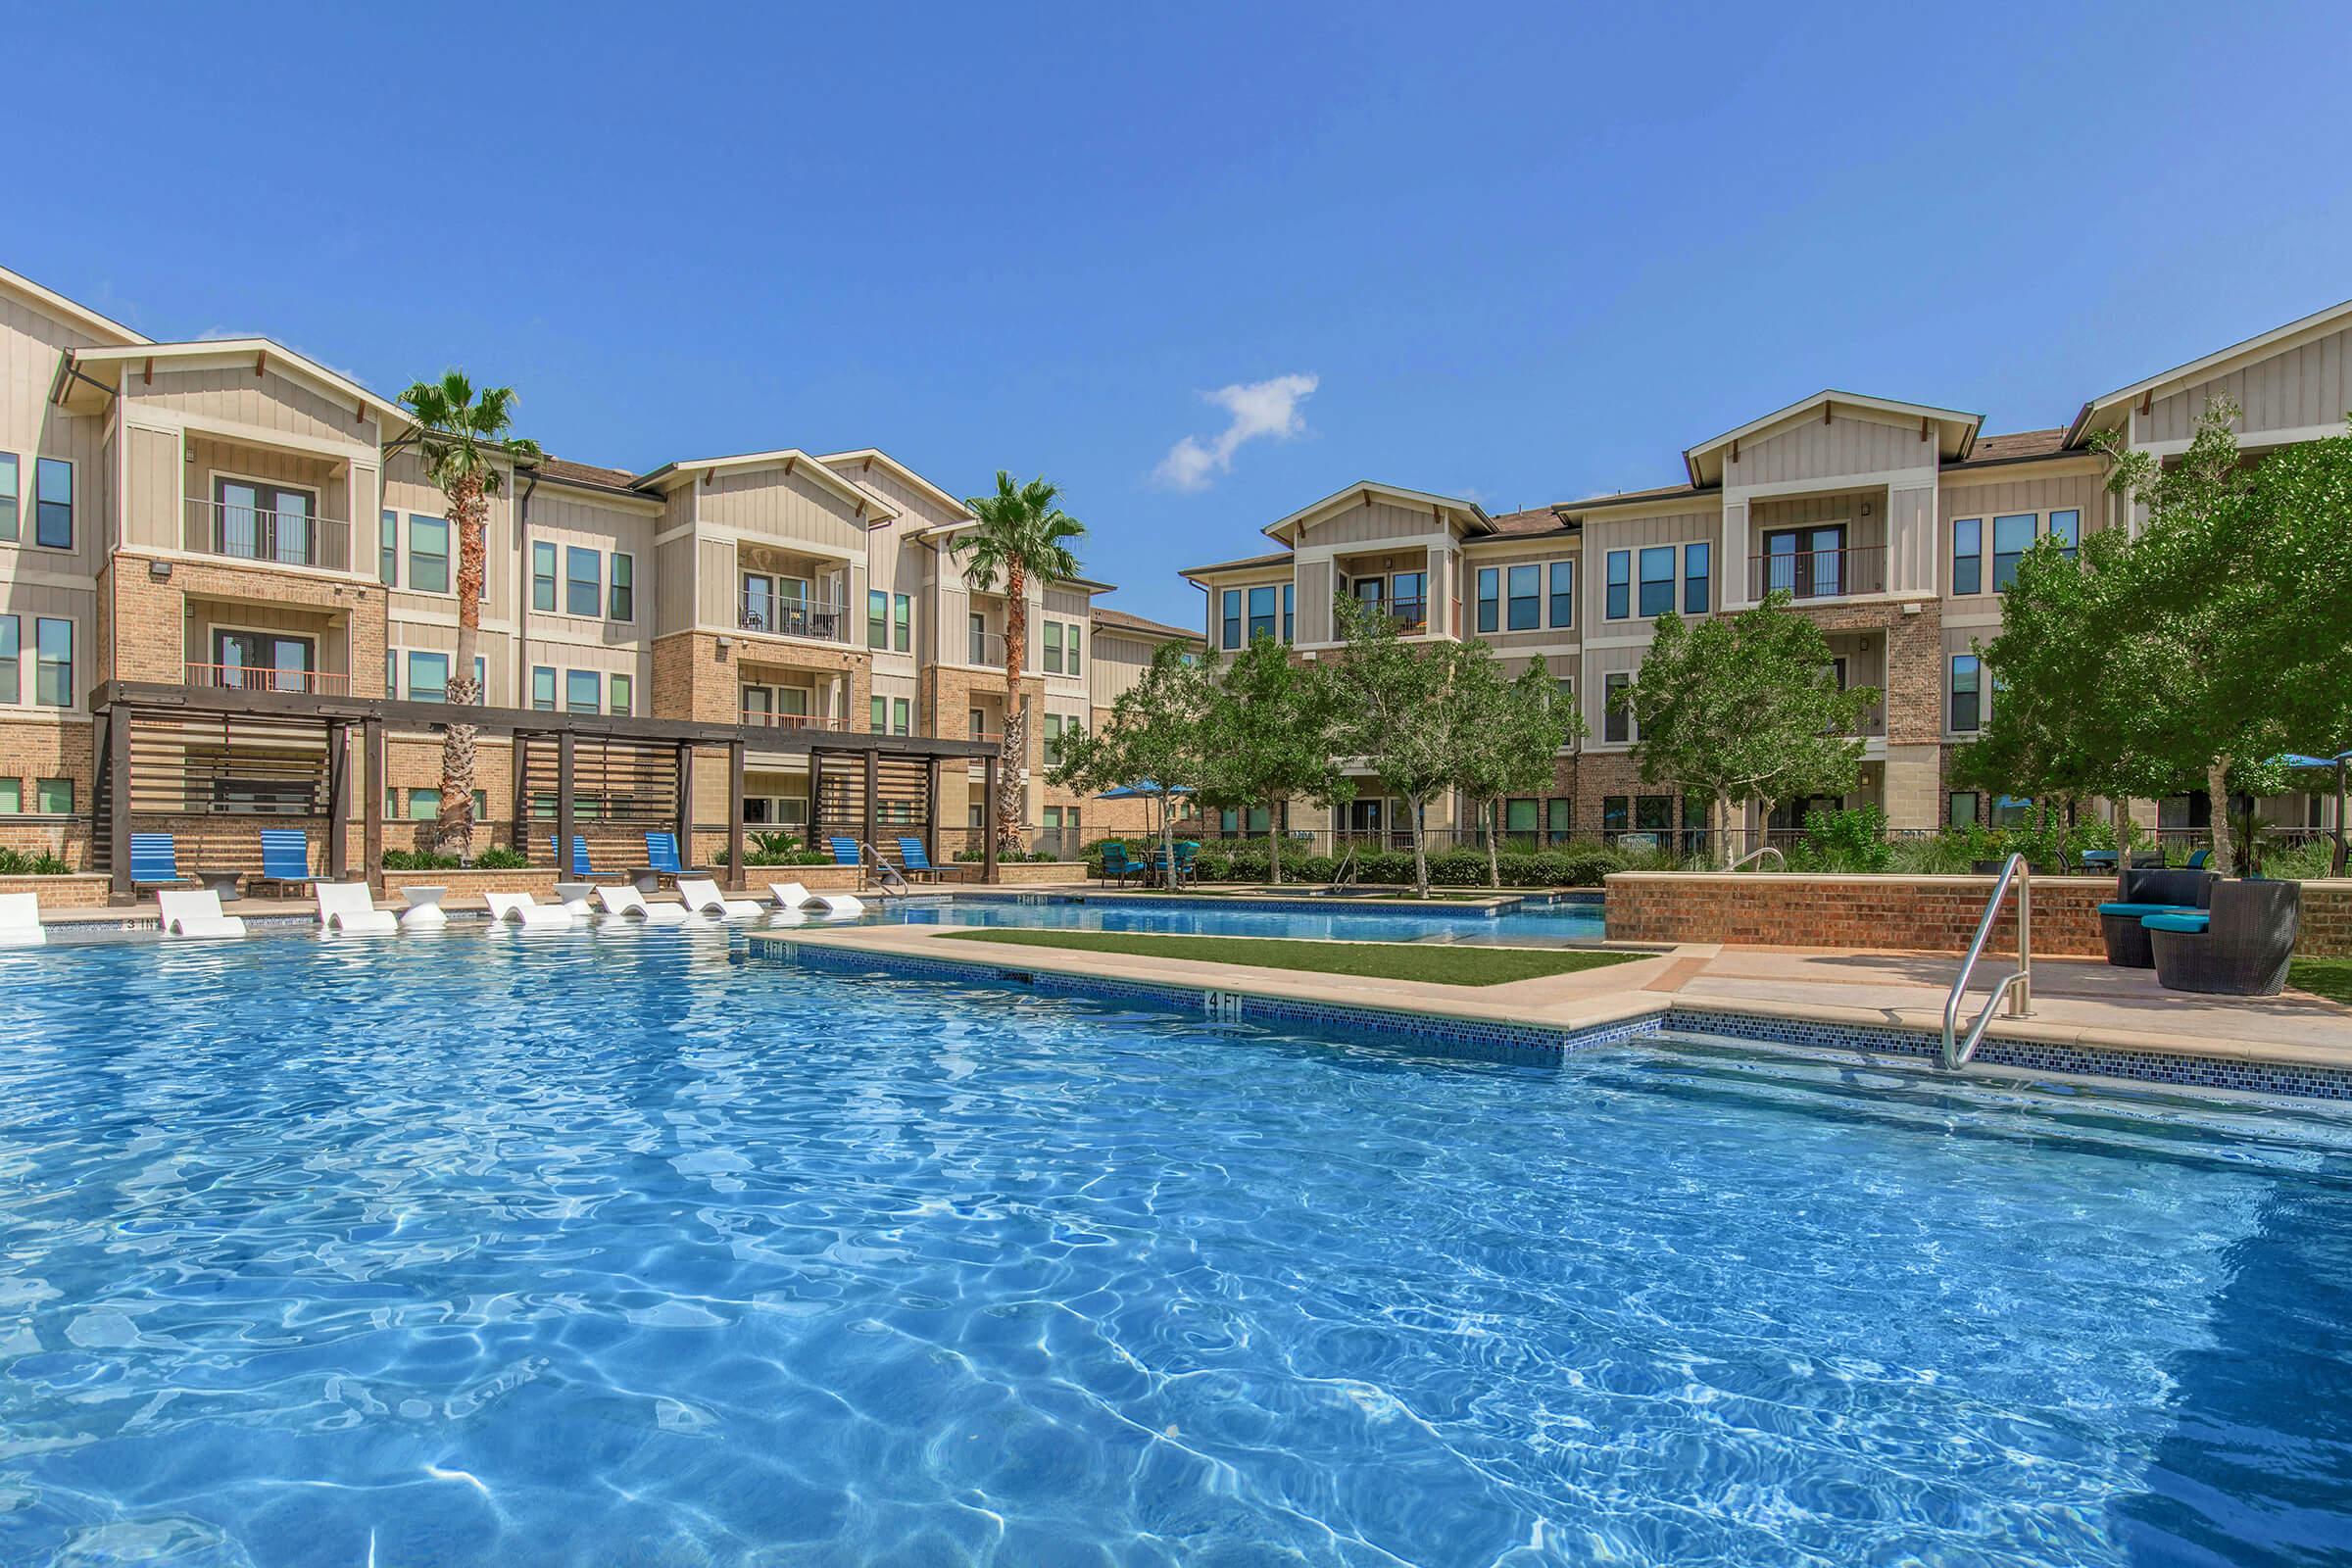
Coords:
pixel 1753 856
pixel 2017 986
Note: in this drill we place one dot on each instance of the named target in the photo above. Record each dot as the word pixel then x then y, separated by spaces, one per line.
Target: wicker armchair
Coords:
pixel 2243 950
pixel 2142 892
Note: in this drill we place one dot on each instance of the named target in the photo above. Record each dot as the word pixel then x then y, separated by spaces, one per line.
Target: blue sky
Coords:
pixel 1525 257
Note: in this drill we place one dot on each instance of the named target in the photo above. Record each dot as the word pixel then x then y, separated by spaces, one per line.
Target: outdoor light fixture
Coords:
pixel 159 570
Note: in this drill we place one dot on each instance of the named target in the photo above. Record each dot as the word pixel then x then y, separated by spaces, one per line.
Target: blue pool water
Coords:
pixel 614 1249
pixel 1569 921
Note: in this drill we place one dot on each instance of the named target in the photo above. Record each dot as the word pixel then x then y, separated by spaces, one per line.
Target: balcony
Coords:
pixel 987 649
pixel 776 617
pixel 1818 573
pixel 261 678
pixel 763 720
pixel 273 538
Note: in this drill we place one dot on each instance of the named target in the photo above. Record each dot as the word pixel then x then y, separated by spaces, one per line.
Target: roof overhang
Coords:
pixel 1255 565
pixel 107 366
pixel 792 459
pixel 1954 430
pixel 2110 412
pixel 1468 516
pixel 57 305
pixel 855 465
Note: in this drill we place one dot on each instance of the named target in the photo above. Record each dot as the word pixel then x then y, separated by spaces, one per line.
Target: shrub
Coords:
pixel 32 863
pixel 419 861
pixel 497 857
pixel 1847 840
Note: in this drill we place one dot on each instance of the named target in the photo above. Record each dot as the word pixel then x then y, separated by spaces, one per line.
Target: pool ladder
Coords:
pixel 2016 987
pixel 1752 856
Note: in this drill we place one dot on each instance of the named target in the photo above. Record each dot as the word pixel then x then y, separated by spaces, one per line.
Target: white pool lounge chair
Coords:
pixel 186 913
pixel 836 905
pixel 521 908
pixel 350 909
pixel 21 920
pixel 788 895
pixel 629 902
pixel 702 895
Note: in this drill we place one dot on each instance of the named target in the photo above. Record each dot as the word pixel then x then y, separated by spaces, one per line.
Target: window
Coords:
pixel 543 688
pixel 428 677
pixel 877 618
pixel 1054 643
pixel 1697 567
pixel 902 711
pixel 1563 592
pixel 902 622
pixel 1230 612
pixel 881 714
pixel 583 581
pixel 481 681
pixel 1526 608
pixel 1076 631
pixel 618 693
pixel 1616 724
pixel 1489 599
pixel 1559 819
pixel 1613 814
pixel 623 603
pixel 1967 704
pixel 1262 612
pixel 1962 809
pixel 978 718
pixel 53 512
pixel 1287 609
pixel 9 525
pixel 1968 555
pixel 1052 739
pixel 2067 528
pixel 583 691
pixel 424 805
pixel 392 672
pixel 11 797
pixel 53 662
pixel 2012 537
pixel 1620 586
pixel 387 549
pixel 1409 598
pixel 1519 817
pixel 543 575
pixel 1654 814
pixel 977 630
pixel 12 661
pixel 54 797
pixel 428 555
pixel 1657 579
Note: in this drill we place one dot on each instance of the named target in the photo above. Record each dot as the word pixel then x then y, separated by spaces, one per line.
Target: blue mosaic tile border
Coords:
pixel 1544 1043
pixel 1270 905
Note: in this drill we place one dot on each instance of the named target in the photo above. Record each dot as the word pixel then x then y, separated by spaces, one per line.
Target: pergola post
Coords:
pixel 686 804
pixel 735 867
pixel 816 795
pixel 874 789
pixel 371 808
pixel 931 788
pixel 338 801
pixel 564 763
pixel 118 802
pixel 988 816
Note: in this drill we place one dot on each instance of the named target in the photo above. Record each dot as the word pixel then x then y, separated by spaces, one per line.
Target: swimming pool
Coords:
pixel 606 1246
pixel 1534 922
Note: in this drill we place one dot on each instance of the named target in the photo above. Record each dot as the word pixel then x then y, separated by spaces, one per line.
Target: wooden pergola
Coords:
pixel 856 769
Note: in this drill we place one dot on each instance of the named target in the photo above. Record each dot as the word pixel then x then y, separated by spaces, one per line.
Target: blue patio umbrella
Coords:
pixel 1149 788
pixel 2337 763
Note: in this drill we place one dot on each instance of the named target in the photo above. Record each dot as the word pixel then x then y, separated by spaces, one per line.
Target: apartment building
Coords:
pixel 233 517
pixel 1895 526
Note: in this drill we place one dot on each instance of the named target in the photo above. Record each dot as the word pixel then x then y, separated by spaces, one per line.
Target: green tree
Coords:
pixel 1160 730
pixel 1022 533
pixel 1508 736
pixel 1741 708
pixel 1391 701
pixel 467 450
pixel 1271 723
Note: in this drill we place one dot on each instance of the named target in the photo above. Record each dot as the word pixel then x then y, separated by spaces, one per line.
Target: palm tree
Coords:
pixel 463 439
pixel 1021 534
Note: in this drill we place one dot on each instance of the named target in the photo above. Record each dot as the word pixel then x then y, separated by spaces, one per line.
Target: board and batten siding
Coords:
pixel 1848 442
pixel 2302 387
pixel 31 428
pixel 783 508
pixel 1605 534
pixel 1986 500
pixel 234 395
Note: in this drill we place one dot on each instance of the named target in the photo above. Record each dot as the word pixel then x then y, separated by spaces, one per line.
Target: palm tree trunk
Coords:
pixel 1012 799
pixel 455 831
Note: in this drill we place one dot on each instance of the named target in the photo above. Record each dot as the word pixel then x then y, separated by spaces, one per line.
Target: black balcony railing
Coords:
pixel 1819 573
pixel 789 617
pixel 278 538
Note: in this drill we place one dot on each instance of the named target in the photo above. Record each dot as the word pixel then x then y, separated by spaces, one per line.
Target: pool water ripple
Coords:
pixel 618 1248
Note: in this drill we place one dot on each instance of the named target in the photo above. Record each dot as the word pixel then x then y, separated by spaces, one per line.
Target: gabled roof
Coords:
pixel 563 472
pixel 864 457
pixel 1473 517
pixel 790 459
pixel 2100 413
pixel 2018 447
pixel 1638 498
pixel 57 304
pixel 1954 429
pixel 1118 621
pixel 262 353
pixel 1279 558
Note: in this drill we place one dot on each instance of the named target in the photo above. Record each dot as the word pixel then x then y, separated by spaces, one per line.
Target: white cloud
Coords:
pixel 1257 409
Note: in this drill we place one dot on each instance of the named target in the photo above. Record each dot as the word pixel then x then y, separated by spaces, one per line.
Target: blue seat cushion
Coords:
pixel 2185 920
pixel 2142 910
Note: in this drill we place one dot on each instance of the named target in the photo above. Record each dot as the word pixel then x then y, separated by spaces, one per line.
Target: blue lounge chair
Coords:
pixel 844 851
pixel 285 856
pixel 1117 866
pixel 2197 861
pixel 152 859
pixel 580 854
pixel 916 860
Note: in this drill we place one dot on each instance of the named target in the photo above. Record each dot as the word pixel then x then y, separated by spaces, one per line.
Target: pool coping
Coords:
pixel 1544 1018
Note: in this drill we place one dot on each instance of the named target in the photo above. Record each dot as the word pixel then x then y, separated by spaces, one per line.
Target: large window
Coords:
pixel 1620 586
pixel 428 555
pixel 1963 811
pixel 2012 537
pixel 11 797
pixel 583 581
pixel 387 548
pixel 54 797
pixel 1524 610
pixel 1657 580
pixel 1968 711
pixel 53 662
pixel 1563 593
pixel 12 659
pixel 1230 613
pixel 428 677
pixel 902 622
pixel 1559 819
pixel 880 714
pixel 583 691
pixel 1262 612
pixel 543 575
pixel 1616 724
pixel 877 618
pixel 1409 599
pixel 53 521
pixel 2067 528
pixel 1968 555
pixel 543 688
pixel 623 602
pixel 1053 644
pixel 1489 599
pixel 10 527
pixel 619 692
pixel 1698 567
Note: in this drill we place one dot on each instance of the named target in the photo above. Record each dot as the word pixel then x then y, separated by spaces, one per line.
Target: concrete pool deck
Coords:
pixel 2077 1003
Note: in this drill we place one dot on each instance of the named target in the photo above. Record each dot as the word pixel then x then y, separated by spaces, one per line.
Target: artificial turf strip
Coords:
pixel 2323 977
pixel 1429 963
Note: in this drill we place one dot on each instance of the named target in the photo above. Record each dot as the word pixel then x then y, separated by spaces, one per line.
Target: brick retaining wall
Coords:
pixel 79 891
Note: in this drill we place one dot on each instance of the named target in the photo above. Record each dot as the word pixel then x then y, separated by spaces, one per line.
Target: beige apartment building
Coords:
pixel 232 517
pixel 1894 525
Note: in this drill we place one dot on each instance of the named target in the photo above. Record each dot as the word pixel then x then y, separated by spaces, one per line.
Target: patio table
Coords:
pixel 424 909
